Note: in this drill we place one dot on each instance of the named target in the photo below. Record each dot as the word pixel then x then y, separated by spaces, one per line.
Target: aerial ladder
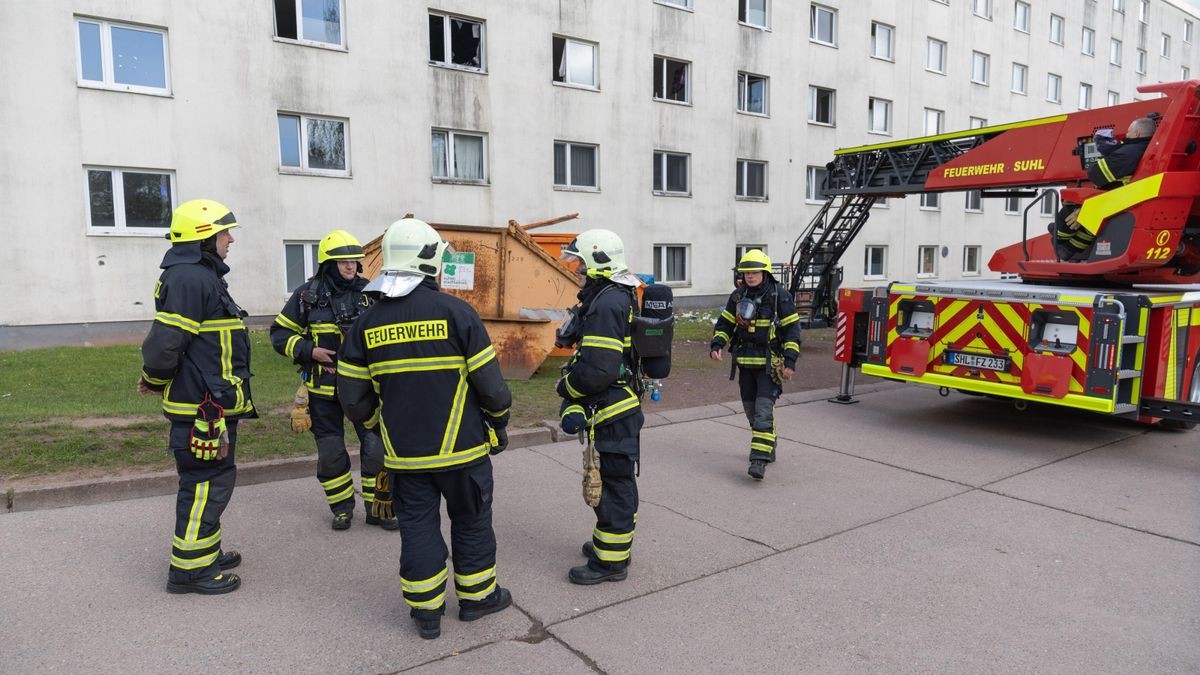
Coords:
pixel 1116 333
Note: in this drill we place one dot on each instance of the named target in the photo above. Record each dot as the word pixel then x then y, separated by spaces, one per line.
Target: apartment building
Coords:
pixel 694 128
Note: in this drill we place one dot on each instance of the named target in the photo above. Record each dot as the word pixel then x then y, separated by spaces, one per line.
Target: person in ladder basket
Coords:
pixel 197 357
pixel 598 383
pixel 309 331
pixel 762 329
pixel 419 366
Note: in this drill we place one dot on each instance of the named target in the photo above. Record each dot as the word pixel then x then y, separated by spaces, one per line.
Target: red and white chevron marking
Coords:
pixel 841 338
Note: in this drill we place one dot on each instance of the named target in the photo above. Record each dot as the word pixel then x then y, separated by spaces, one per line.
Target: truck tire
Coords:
pixel 1193 396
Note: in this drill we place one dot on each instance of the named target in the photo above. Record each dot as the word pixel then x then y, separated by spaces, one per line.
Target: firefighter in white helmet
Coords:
pixel 418 365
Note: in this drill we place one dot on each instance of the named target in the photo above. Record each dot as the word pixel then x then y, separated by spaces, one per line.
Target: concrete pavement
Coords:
pixel 906 533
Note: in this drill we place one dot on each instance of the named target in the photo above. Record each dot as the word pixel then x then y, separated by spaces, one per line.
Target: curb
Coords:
pixel 101 490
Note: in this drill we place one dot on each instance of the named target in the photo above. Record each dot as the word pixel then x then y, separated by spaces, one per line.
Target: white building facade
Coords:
pixel 693 128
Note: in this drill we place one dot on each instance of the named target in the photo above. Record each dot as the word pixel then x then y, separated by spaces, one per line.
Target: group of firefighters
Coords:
pixel 415 372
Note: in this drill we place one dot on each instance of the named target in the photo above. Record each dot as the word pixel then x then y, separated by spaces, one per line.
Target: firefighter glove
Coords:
pixel 498 438
pixel 210 437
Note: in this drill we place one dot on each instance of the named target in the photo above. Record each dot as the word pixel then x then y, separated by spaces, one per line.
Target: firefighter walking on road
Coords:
pixel 418 365
pixel 309 331
pixel 197 357
pixel 762 329
pixel 598 384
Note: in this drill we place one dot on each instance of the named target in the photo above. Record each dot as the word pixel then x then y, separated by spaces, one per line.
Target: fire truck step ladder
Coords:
pixel 1132 358
pixel 815 271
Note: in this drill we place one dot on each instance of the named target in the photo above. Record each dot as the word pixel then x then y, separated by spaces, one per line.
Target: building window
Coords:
pixel 1012 205
pixel 1114 52
pixel 1119 6
pixel 934 119
pixel 314 21
pixel 753 13
pixel 1021 16
pixel 974 201
pixel 129 201
pixel 1053 88
pixel 882 39
pixel 977 123
pixel 459 156
pixel 576 165
pixel 820 105
pixel 879 116
pixel 455 41
pixel 1185 73
pixel 1165 46
pixel 671 80
pixel 1144 11
pixel 814 182
pixel 1085 96
pixel 1141 62
pixel 1049 203
pixel 931 201
pixel 982 8
pixel 1113 97
pixel 752 94
pixel 822 25
pixel 980 65
pixel 935 56
pixel 874 262
pixel 926 261
pixel 1020 73
pixel 685 4
pixel 318 145
pixel 1056 29
pixel 751 179
pixel 671 173
pixel 299 263
pixel 1187 31
pixel 671 264
pixel 125 58
pixel 1088 44
pixel 574 62
pixel 971 256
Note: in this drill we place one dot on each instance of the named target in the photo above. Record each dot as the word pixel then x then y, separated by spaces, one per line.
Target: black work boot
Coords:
pixel 384 523
pixel 222 583
pixel 589 552
pixel 341 521
pixel 469 610
pixel 758 469
pixel 229 560
pixel 429 622
pixel 586 575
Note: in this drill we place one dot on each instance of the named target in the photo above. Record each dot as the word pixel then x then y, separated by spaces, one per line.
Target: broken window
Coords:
pixel 455 41
pixel 671 82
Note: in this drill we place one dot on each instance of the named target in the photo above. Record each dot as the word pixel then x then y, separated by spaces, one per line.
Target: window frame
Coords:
pixel 740 250
pixel 120 226
pixel 1144 11
pixel 939 115
pixel 986 60
pixel 1164 46
pixel 1114 98
pixel 107 77
pixel 663 62
pixel 812 184
pixel 986 6
pixel 971 122
pixel 743 175
pixel 1087 41
pixel 300 40
pixel 569 186
pixel 941 66
pixel 744 15
pixel 926 197
pixel 1143 57
pixel 659 256
pixel 1054 93
pixel 661 156
pixel 1188 27
pixel 566 78
pixel 1024 79
pixel 1012 206
pixel 303 169
pixel 814 9
pixel 447 52
pixel 891 50
pixel 868 250
pixel 1048 206
pixel 744 94
pixel 973 197
pixel 887 116
pixel 1115 47
pixel 1085 88
pixel 1017 5
pixel 978 259
pixel 1185 73
pixel 1118 6
pixel 310 261
pixel 450 179
pixel 932 249
pixel 1062 30
pixel 685 5
pixel 814 92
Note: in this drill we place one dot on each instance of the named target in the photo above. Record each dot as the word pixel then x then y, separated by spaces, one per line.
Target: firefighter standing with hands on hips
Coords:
pixel 197 357
pixel 418 365
pixel 598 392
pixel 762 329
pixel 309 331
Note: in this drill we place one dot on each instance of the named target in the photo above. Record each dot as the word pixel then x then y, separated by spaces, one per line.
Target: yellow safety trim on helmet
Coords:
pixel 601 342
pixel 612 537
pixel 154 380
pixel 398 463
pixel 727 316
pixel 456 415
pixel 1105 171
pixel 476 595
pixel 417 364
pixel 351 370
pixel 194 563
pixel 789 319
pixel 287 323
pixel 953 135
pixel 475 578
pixel 178 321
pixel 479 360
pixel 197 544
pixel 199 500
pixel 1106 204
pixel 424 585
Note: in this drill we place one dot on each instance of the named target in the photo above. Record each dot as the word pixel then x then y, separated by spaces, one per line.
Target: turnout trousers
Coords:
pixel 618 446
pixel 759 393
pixel 204 490
pixel 333 461
pixel 417 501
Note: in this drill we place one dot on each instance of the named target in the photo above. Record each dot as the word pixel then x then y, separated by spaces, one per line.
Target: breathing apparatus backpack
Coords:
pixel 653 330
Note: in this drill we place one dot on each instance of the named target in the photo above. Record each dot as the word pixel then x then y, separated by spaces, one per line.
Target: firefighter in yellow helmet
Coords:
pixel 761 328
pixel 309 331
pixel 197 357
pixel 419 366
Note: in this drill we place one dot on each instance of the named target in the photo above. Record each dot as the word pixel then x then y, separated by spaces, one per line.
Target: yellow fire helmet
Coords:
pixel 199 219
pixel 754 260
pixel 339 245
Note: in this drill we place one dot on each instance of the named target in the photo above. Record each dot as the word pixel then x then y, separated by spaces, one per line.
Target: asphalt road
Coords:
pixel 906 533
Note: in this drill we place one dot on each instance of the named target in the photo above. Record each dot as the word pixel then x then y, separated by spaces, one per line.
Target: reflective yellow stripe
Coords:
pixel 479 360
pixel 417 364
pixel 601 342
pixel 722 335
pixel 573 408
pixel 752 360
pixel 1098 207
pixel 770 436
pixel 612 556
pixel 762 447
pixel 178 321
pixel 324 328
pixel 500 413
pixel 1103 166
pixel 289 347
pixel 196 545
pixel 199 499
pixel 397 463
pixel 333 483
pixel 325 390
pixel 423 585
pixel 287 323
pixel 792 346
pixel 194 563
pixel 477 595
pixel 789 319
pixel 373 421
pixel 351 370
pixel 153 380
pixel 572 390
pixel 472 579
pixel 428 604
pixel 214 325
pixel 612 537
pixel 609 412
pixel 727 316
pixel 952 135
pixel 456 413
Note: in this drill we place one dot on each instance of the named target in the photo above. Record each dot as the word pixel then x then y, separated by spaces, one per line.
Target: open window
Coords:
pixel 672 80
pixel 456 42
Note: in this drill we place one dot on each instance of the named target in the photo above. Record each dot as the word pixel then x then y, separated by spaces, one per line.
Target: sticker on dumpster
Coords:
pixel 458 271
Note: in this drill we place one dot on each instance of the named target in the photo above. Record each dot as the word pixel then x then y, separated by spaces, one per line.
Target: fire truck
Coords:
pixel 1117 333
